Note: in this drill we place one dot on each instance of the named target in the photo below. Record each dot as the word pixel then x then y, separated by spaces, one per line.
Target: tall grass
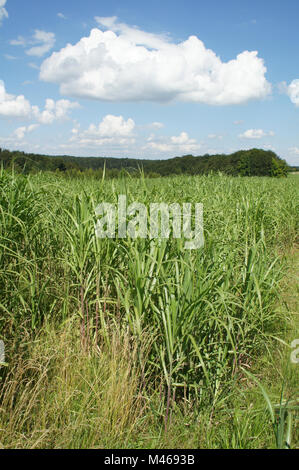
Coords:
pixel 209 312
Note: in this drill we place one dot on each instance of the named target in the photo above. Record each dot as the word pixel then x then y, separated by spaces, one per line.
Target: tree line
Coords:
pixel 254 162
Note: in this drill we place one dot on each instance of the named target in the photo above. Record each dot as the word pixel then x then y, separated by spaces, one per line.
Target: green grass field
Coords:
pixel 121 343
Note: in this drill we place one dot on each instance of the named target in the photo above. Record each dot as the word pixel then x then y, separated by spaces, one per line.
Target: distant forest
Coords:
pixel 254 162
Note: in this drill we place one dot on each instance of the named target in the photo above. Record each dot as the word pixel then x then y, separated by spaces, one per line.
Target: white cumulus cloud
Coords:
pixel 126 64
pixel 20 107
pixel 182 139
pixel 13 106
pixel 55 111
pixel 112 126
pixel 111 130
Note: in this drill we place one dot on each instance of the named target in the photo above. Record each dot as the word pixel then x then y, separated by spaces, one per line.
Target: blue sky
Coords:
pixel 149 79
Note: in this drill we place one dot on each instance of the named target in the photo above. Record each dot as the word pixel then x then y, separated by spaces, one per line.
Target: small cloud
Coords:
pixel 41 42
pixel 10 57
pixel 111 126
pixel 12 106
pixel 20 41
pixel 255 134
pixel 33 65
pixel 215 136
pixel 175 144
pixel 269 147
pixel 183 138
pixel 294 150
pixel 21 131
pixel 282 87
pixel 237 123
pixel 112 132
pixel 3 12
pixel 61 15
pixel 55 111
pixel 157 125
pixel 293 91
pixel 45 43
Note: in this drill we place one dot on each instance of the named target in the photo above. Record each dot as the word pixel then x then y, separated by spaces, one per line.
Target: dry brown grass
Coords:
pixel 59 396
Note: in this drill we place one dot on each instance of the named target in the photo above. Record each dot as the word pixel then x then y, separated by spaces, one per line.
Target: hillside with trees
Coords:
pixel 254 162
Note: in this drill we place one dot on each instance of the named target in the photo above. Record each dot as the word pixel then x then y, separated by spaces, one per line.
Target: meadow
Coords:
pixel 123 343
